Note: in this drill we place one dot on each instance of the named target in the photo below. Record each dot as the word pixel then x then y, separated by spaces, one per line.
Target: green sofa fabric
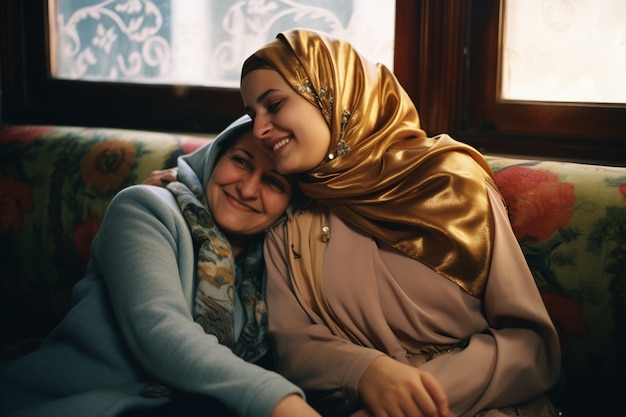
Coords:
pixel 570 220
pixel 55 185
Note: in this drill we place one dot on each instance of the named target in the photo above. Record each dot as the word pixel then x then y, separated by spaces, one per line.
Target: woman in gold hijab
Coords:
pixel 401 290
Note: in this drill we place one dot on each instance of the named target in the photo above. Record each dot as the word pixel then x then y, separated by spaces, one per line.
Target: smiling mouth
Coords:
pixel 280 144
pixel 240 205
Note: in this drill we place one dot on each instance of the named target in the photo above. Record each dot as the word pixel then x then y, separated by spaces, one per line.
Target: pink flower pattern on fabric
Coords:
pixel 538 202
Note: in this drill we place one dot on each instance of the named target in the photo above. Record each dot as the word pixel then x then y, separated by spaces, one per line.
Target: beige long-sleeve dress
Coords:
pixel 394 304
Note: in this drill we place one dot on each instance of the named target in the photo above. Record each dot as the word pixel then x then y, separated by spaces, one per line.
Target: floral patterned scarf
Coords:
pixel 219 275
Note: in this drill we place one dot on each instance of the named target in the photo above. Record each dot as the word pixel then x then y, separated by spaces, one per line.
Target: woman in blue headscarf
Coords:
pixel 170 317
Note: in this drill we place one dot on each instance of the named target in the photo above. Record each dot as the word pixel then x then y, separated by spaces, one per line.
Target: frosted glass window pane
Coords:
pixel 199 42
pixel 564 51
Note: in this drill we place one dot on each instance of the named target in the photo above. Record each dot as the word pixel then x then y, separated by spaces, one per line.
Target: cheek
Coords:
pixel 310 127
pixel 275 204
pixel 223 175
pixel 304 116
pixel 317 127
pixel 211 191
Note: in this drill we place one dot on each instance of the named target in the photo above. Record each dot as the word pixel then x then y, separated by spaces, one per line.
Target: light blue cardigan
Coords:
pixel 131 323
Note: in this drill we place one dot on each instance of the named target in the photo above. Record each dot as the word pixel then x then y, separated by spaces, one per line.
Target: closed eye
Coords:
pixel 277 184
pixel 240 161
pixel 274 106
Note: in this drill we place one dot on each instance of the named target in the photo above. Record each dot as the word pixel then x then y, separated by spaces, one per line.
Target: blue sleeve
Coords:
pixel 146 257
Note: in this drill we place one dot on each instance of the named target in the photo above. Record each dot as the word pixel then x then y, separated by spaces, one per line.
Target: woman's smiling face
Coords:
pixel 292 128
pixel 246 194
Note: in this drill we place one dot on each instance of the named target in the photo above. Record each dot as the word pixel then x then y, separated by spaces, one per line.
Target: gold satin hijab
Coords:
pixel 426 197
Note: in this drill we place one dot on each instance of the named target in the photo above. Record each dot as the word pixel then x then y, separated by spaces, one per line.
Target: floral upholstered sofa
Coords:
pixel 570 220
pixel 55 185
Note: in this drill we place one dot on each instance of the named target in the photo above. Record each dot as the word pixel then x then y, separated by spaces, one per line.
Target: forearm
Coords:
pixel 497 368
pixel 317 361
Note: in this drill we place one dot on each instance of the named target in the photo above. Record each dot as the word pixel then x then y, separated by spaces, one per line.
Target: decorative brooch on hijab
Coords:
pixel 342 146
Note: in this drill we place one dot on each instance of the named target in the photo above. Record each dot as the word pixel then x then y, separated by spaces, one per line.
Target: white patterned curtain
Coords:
pixel 199 42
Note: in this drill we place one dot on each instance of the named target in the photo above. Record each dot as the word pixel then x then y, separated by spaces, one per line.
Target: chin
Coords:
pixel 282 170
pixel 236 231
pixel 286 169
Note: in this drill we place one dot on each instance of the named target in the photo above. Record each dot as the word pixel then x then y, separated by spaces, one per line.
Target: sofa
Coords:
pixel 569 218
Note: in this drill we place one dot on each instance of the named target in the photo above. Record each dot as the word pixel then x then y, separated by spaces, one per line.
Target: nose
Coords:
pixel 249 187
pixel 262 126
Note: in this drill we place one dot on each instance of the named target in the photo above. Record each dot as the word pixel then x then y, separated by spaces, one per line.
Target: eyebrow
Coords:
pixel 260 98
pixel 244 150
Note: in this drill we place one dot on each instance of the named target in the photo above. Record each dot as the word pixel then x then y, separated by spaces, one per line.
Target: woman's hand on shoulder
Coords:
pixel 161 177
pixel 394 389
pixel 293 405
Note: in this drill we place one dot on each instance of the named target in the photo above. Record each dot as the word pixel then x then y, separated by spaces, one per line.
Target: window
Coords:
pixel 446 55
pixel 198 42
pixel 575 130
pixel 575 52
pixel 31 95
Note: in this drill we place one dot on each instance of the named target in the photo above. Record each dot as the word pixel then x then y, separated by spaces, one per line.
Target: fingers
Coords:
pixel 438 397
pixel 161 178
pixel 425 398
pixel 392 389
pixel 169 175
